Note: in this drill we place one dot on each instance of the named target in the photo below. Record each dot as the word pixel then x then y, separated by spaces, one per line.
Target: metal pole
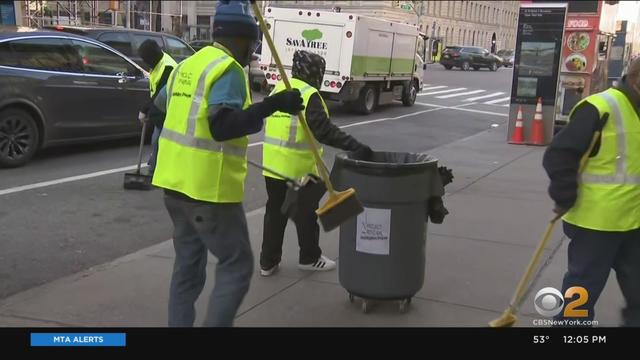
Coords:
pixel 128 7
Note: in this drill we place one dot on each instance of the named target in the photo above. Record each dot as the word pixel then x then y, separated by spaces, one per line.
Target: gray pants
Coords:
pixel 222 230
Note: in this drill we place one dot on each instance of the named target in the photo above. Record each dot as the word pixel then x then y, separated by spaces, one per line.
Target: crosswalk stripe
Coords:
pixel 484 96
pixel 442 91
pixel 498 100
pixel 459 94
pixel 433 87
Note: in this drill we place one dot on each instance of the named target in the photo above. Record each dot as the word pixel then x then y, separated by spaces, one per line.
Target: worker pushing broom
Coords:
pixel 594 168
pixel 202 164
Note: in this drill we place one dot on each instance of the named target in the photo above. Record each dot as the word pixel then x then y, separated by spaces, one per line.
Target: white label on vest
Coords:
pixel 372 231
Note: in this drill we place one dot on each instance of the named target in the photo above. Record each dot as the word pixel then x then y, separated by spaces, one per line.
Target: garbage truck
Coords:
pixel 369 62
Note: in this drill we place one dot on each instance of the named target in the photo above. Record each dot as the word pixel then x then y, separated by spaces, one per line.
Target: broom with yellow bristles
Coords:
pixel 508 317
pixel 341 205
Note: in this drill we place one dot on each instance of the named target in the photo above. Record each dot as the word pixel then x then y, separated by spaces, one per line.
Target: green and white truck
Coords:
pixel 369 61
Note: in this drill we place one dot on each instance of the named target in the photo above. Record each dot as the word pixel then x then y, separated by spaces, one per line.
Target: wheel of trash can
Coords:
pixel 365 306
pixel 351 298
pixel 402 306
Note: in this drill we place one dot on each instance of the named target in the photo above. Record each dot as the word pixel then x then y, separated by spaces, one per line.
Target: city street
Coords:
pixel 67 224
pixel 78 250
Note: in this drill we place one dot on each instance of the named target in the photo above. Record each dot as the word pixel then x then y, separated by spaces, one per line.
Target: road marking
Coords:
pixel 393 118
pixel 498 100
pixel 484 96
pixel 442 91
pixel 459 94
pixel 459 108
pixel 42 184
pixel 433 87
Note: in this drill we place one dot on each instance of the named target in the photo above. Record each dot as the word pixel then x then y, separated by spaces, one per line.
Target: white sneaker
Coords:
pixel 269 272
pixel 322 264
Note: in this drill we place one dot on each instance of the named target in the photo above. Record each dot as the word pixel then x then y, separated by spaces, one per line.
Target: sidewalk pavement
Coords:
pixel 499 208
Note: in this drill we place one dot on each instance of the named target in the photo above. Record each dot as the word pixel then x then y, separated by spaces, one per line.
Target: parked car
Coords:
pixel 59 88
pixel 127 41
pixel 466 57
pixel 507 57
pixel 199 44
pixel 256 75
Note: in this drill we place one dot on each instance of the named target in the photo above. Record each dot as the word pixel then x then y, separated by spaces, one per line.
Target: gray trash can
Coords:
pixel 382 251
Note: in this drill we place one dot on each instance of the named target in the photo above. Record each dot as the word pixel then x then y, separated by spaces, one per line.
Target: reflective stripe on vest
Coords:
pixel 610 182
pixel 621 176
pixel 190 160
pixel 156 73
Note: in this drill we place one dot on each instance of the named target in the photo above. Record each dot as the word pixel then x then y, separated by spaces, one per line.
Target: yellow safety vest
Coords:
pixel 286 148
pixel 158 70
pixel 190 161
pixel 610 183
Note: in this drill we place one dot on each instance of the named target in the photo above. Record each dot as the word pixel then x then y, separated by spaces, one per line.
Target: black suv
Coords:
pixel 127 41
pixel 58 88
pixel 466 57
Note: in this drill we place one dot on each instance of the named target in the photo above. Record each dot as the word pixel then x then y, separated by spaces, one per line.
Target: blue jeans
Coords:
pixel 154 149
pixel 222 230
pixel 592 255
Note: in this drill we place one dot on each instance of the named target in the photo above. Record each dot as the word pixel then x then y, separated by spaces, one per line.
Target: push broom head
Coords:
pixel 506 320
pixel 340 207
pixel 137 181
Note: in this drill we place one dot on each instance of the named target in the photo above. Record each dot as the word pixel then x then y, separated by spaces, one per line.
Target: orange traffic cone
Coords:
pixel 537 130
pixel 518 132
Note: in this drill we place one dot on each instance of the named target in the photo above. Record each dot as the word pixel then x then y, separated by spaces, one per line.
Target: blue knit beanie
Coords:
pixel 233 19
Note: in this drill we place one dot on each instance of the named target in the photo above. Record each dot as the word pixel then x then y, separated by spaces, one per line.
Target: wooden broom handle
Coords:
pixel 322 168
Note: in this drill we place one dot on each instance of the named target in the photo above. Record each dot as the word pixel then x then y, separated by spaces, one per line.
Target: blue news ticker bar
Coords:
pixel 78 339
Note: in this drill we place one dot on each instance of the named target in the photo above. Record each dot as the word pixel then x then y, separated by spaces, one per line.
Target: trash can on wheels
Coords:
pixel 382 250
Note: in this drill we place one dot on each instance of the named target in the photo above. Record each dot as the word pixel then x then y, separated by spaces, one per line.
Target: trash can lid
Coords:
pixel 388 163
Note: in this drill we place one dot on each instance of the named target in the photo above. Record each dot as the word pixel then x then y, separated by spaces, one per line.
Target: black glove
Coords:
pixel 289 101
pixel 363 153
pixel 436 210
pixel 446 175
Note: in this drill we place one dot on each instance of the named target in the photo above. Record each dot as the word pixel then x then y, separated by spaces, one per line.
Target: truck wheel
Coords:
pixel 19 137
pixel 465 66
pixel 409 94
pixel 367 101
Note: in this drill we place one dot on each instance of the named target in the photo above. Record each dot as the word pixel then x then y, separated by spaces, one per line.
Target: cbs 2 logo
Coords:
pixel 549 302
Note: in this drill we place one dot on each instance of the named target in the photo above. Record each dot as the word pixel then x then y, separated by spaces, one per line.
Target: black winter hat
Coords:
pixel 308 67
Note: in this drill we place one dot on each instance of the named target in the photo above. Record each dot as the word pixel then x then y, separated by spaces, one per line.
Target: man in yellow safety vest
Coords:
pixel 161 65
pixel 600 205
pixel 202 165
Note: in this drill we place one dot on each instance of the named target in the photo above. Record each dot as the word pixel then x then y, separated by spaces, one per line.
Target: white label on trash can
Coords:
pixel 372 232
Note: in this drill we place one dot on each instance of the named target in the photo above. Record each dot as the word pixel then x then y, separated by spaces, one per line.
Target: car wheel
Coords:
pixel 448 67
pixel 476 68
pixel 410 94
pixel 465 66
pixel 19 137
pixel 494 67
pixel 367 100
